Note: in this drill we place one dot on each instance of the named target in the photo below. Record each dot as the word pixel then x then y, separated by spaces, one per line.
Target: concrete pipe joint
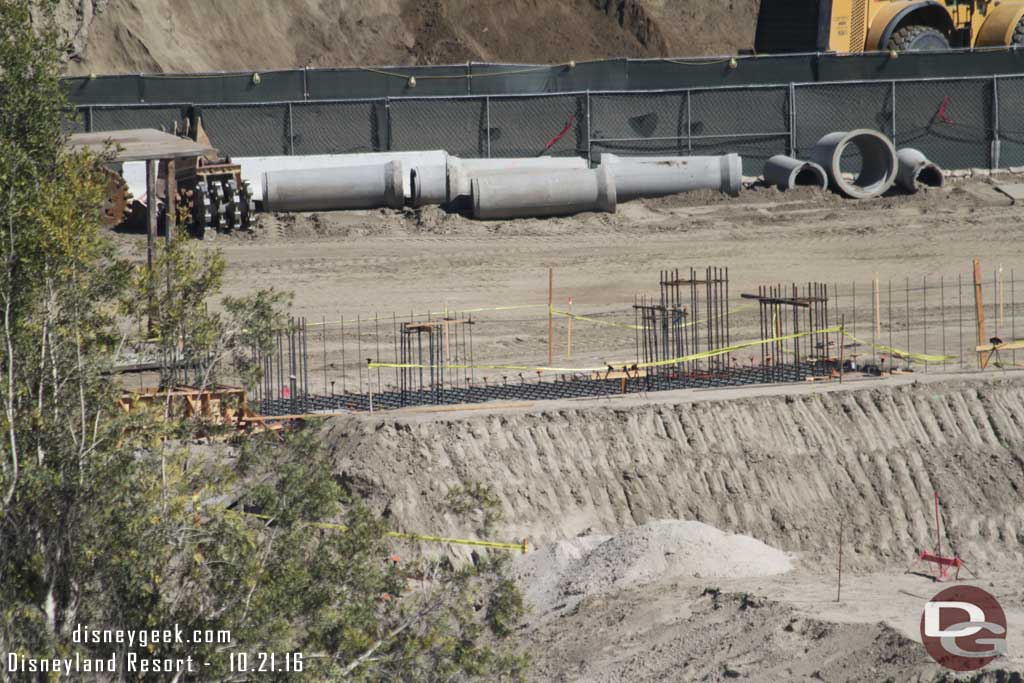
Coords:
pixel 462 171
pixel 878 162
pixel 540 192
pixel 329 189
pixel 788 173
pixel 916 170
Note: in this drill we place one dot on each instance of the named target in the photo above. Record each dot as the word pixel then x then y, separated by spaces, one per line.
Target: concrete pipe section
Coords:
pixel 788 173
pixel 658 176
pixel 460 172
pixel 328 189
pixel 543 192
pixel 916 170
pixel 253 168
pixel 878 162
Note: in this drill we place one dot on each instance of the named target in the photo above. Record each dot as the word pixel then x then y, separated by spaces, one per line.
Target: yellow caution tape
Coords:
pixel 610 323
pixel 522 547
pixel 900 353
pixel 650 364
pixel 690 323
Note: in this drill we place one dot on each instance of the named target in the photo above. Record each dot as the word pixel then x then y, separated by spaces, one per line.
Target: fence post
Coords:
pixel 387 119
pixel 88 119
pixel 291 132
pixel 689 139
pixel 588 129
pixel 487 129
pixel 994 157
pixel 792 120
pixel 305 83
pixel 892 114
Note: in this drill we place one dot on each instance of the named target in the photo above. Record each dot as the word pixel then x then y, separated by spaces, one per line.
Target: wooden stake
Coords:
pixel 568 341
pixel 877 297
pixel 551 316
pixel 980 314
pixel 842 338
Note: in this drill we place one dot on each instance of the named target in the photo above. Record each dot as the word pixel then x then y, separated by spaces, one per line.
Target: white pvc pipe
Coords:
pixel 915 170
pixel 788 173
pixel 639 176
pixel 543 192
pixel 329 189
pixel 878 162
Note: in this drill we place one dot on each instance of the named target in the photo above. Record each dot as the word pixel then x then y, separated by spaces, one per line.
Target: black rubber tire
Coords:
pixel 1018 34
pixel 918 39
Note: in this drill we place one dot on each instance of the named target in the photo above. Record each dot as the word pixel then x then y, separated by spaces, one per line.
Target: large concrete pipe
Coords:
pixel 544 192
pixel 659 176
pixel 878 162
pixel 326 189
pixel 253 168
pixel 461 171
pixel 915 170
pixel 788 173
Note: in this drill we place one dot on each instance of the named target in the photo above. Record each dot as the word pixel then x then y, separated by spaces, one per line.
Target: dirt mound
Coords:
pixel 565 572
pixel 131 36
pixel 783 468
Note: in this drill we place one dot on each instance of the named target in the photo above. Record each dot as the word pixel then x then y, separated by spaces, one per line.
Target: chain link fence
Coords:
pixel 973 122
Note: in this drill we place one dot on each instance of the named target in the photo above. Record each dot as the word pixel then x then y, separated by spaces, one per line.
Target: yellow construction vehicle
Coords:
pixel 900 25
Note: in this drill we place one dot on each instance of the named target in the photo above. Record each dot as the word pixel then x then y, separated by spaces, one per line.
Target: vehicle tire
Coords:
pixel 918 39
pixel 1018 34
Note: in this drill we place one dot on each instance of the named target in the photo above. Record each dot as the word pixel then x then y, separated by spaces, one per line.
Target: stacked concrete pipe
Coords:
pixel 788 173
pixel 878 162
pixel 328 189
pixel 659 176
pixel 460 172
pixel 916 170
pixel 543 192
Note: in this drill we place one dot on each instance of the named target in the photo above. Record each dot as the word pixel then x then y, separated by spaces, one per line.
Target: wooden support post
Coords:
pixel 980 314
pixel 171 200
pixel 551 316
pixel 151 214
pixel 151 219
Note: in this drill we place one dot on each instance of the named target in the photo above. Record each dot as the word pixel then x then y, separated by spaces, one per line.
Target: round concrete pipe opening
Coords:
pixel 878 163
pixel 930 175
pixel 811 175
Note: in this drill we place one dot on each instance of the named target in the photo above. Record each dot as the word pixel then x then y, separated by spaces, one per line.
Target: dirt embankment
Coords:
pixel 131 36
pixel 781 468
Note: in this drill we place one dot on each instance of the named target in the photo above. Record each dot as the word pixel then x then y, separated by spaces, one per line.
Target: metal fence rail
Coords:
pixel 957 122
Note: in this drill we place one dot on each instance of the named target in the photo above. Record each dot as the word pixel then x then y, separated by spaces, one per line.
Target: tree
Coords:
pixel 107 521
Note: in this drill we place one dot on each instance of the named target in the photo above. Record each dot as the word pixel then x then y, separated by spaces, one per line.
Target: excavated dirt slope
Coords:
pixel 781 467
pixel 131 36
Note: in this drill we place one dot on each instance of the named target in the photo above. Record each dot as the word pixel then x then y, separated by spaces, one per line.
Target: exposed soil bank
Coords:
pixel 782 468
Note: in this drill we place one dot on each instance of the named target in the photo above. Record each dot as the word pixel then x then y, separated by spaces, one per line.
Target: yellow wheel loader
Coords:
pixel 900 25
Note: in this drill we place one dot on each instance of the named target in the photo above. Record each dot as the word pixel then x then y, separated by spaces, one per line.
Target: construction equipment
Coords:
pixel 210 188
pixel 117 200
pixel 890 25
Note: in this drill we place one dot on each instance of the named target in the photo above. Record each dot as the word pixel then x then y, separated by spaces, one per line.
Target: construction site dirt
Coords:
pixel 784 464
